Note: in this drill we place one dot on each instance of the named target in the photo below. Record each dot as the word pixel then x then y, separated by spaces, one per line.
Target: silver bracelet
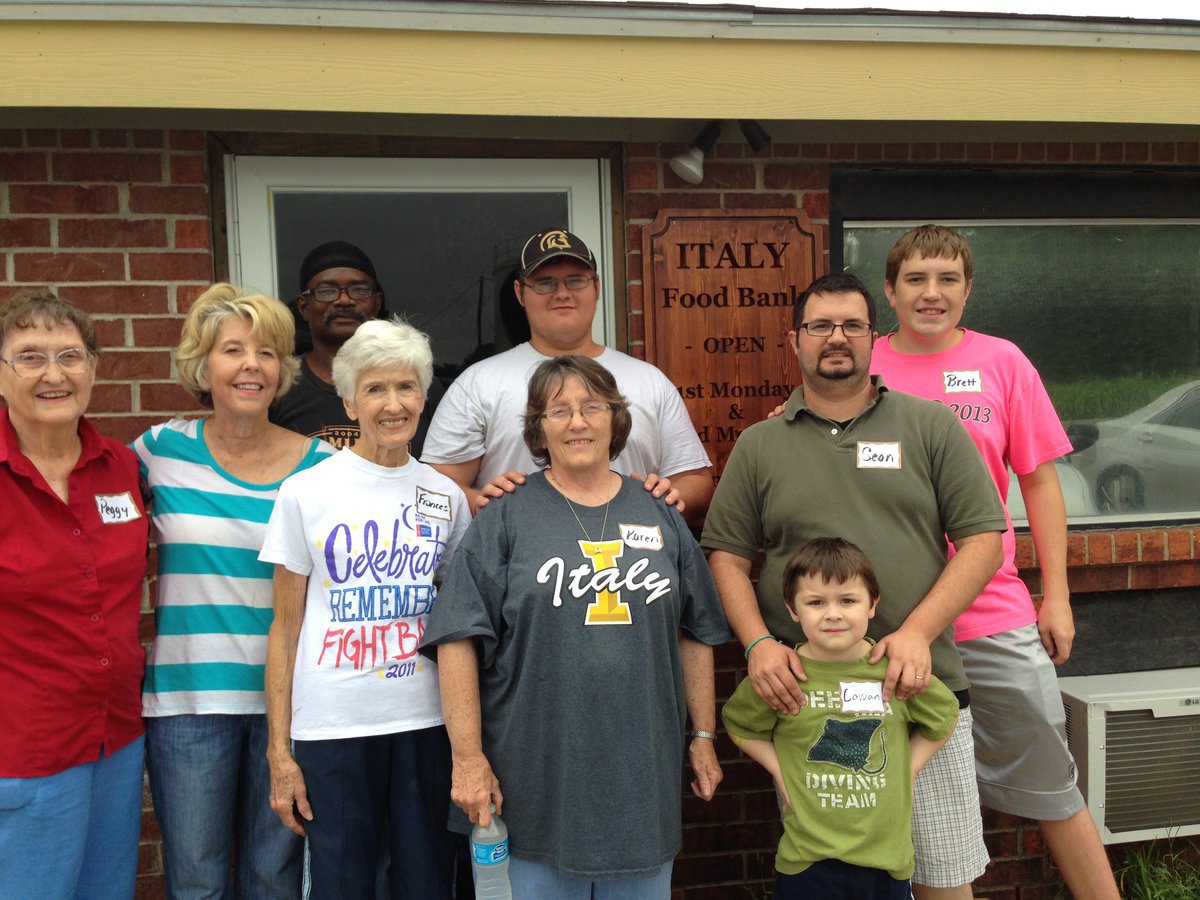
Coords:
pixel 707 735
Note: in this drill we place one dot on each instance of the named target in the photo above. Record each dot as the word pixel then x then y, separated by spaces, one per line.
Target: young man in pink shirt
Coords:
pixel 1009 647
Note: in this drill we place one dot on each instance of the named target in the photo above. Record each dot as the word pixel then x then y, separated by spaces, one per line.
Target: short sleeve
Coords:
pixel 702 617
pixel 747 716
pixel 967 499
pixel 681 448
pixel 1035 433
pixel 471 598
pixel 458 432
pixel 934 711
pixel 285 542
pixel 734 520
pixel 460 520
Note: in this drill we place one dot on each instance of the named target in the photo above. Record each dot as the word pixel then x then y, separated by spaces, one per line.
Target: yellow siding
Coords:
pixel 147 65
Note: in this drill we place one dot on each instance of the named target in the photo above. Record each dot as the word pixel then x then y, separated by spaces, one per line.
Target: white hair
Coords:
pixel 382 344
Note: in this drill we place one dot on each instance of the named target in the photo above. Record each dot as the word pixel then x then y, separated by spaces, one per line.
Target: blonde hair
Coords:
pixel 270 321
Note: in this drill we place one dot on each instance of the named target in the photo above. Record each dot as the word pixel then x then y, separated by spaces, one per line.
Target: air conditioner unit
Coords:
pixel 1135 737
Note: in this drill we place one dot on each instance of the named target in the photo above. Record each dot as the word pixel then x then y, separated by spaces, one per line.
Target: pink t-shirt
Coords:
pixel 1000 398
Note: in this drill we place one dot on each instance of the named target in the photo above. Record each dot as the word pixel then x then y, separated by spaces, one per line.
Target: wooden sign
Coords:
pixel 719 288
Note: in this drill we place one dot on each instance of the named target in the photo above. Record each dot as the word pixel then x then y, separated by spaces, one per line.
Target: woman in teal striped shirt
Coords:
pixel 212 485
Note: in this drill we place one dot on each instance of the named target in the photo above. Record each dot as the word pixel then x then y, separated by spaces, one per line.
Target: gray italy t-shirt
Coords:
pixel 580 684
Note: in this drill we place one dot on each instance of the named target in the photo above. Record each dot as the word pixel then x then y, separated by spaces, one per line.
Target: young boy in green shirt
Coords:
pixel 845 764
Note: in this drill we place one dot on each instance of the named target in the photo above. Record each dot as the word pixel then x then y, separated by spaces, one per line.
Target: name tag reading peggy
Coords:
pixel 117 508
pixel 862 696
pixel 879 454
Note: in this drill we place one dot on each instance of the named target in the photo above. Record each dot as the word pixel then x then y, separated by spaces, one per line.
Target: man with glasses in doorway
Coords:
pixel 476 437
pixel 895 475
pixel 339 290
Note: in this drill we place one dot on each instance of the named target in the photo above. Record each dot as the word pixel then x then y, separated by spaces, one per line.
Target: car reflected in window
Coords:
pixel 1148 460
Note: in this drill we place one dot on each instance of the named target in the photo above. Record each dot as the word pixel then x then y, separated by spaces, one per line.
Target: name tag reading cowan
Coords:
pixel 879 454
pixel 862 696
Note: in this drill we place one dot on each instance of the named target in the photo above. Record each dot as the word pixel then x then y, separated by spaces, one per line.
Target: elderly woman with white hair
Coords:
pixel 212 483
pixel 359 543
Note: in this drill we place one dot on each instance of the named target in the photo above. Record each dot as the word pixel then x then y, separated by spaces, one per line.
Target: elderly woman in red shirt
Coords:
pixel 73 529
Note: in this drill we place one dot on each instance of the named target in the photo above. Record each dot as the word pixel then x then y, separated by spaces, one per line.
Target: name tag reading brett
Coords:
pixel 433 504
pixel 879 454
pixel 965 382
pixel 862 696
pixel 642 537
pixel 117 508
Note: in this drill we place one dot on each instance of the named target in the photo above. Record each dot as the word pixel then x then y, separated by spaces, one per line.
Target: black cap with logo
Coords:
pixel 551 244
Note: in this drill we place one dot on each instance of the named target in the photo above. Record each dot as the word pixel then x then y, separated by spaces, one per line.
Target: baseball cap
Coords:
pixel 550 244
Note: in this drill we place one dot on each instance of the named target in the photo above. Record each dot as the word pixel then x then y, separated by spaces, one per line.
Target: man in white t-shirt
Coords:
pixel 475 437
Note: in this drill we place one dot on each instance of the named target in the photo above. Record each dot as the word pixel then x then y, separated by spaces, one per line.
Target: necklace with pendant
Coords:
pixel 571 507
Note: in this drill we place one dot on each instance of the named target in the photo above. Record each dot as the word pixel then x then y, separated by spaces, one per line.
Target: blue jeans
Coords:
pixel 73 834
pixel 533 880
pixel 212 792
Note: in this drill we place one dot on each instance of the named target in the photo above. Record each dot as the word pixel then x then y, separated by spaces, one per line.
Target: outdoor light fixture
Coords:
pixel 689 165
pixel 756 136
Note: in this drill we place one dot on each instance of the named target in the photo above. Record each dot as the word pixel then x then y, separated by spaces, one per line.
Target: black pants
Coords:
pixel 832 879
pixel 360 786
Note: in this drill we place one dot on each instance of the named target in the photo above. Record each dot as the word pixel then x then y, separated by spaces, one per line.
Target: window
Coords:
pixel 1105 304
pixel 444 234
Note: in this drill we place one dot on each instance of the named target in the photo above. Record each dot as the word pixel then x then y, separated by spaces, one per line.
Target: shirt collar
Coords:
pixel 94 444
pixel 796 405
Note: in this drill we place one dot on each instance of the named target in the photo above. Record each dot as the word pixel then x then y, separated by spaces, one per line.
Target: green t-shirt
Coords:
pixel 847 772
pixel 899 479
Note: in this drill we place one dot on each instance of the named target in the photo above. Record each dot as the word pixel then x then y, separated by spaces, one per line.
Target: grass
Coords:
pixel 1108 398
pixel 1154 873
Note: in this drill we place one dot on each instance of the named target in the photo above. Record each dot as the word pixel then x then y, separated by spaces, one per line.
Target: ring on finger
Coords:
pixel 919 677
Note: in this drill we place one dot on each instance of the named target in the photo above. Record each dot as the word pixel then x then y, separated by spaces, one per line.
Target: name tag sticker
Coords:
pixel 862 696
pixel 433 504
pixel 117 508
pixel 879 454
pixel 642 537
pixel 965 382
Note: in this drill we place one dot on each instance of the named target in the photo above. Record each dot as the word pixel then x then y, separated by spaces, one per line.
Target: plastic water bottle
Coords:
pixel 489 860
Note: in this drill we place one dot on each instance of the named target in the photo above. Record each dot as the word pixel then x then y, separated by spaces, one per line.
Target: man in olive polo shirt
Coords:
pixel 896 475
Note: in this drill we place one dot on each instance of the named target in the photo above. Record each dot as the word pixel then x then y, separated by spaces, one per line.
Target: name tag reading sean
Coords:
pixel 116 508
pixel 862 696
pixel 879 454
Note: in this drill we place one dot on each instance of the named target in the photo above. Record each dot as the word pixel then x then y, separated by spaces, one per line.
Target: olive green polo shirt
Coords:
pixel 900 478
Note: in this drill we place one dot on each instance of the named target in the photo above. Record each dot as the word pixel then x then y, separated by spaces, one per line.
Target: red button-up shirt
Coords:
pixel 70 595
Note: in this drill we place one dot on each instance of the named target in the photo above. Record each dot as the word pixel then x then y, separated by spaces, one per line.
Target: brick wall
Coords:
pixel 119 222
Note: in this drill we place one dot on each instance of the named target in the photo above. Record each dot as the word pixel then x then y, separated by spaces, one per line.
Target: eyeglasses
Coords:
pixel 852 329
pixel 550 285
pixel 328 293
pixel 560 415
pixel 31 364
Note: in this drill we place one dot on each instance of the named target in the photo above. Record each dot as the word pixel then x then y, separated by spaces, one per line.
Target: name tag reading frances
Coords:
pixel 642 537
pixel 965 382
pixel 879 454
pixel 862 696
pixel 433 504
pixel 117 508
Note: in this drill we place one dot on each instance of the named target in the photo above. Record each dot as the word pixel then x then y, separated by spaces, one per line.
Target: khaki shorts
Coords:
pixel 1021 754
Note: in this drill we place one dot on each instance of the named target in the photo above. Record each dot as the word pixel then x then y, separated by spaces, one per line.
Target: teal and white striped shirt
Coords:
pixel 214 597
